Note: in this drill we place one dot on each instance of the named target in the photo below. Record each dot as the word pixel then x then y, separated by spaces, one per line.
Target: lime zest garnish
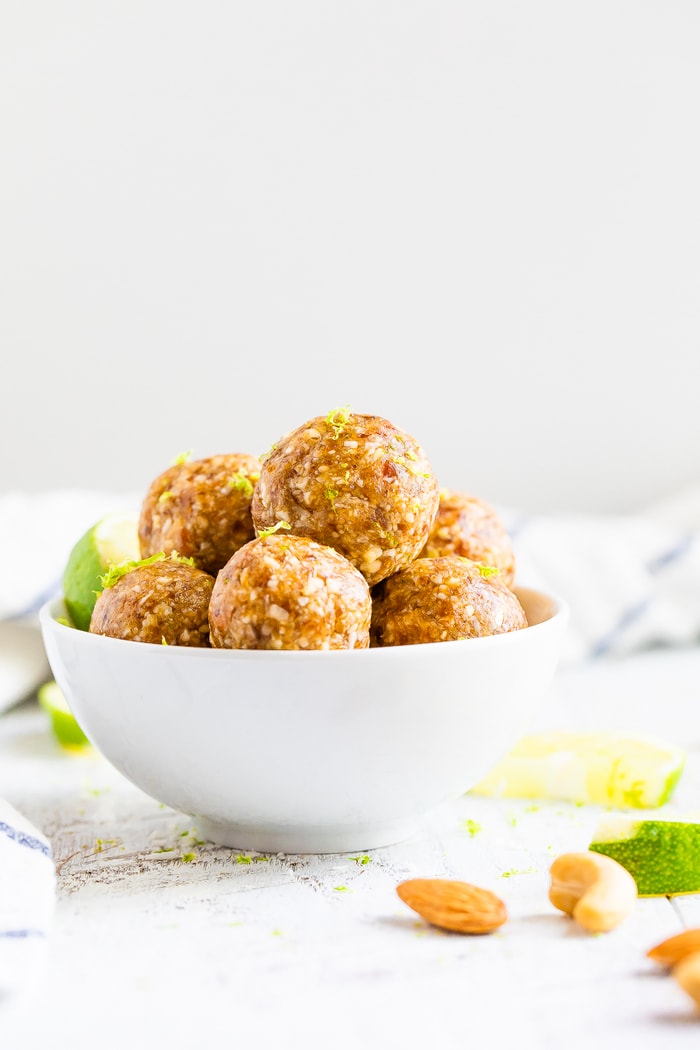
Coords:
pixel 115 572
pixel 331 495
pixel 241 483
pixel 472 826
pixel 183 457
pixel 337 419
pixel 273 528
pixel 488 570
pixel 165 495
pixel 391 541
pixel 269 452
pixel 187 858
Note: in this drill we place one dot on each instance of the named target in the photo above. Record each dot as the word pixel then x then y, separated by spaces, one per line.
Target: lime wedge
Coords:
pixel 610 769
pixel 65 728
pixel 111 541
pixel 663 856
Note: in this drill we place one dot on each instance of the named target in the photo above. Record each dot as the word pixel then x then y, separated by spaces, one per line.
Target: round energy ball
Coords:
pixel 442 599
pixel 165 602
pixel 353 482
pixel 289 592
pixel 201 509
pixel 471 528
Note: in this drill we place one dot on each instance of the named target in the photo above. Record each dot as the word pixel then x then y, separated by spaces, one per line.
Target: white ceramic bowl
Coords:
pixel 307 752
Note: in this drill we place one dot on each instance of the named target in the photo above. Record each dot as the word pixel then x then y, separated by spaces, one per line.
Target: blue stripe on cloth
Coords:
pixel 672 554
pixel 38 600
pixel 22 934
pixel 630 616
pixel 23 839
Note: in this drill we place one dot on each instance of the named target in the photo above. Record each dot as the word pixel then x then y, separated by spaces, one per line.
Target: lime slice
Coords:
pixel 663 856
pixel 111 541
pixel 66 729
pixel 624 772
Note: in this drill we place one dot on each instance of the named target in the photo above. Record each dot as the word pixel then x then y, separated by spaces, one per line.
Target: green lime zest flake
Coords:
pixel 488 570
pixel 263 456
pixel 273 528
pixel 337 419
pixel 472 827
pixel 391 541
pixel 164 640
pixel 115 572
pixel 183 457
pixel 341 889
pixel 516 871
pixel 242 858
pixel 242 483
pixel 331 495
pixel 187 858
pixel 363 858
pixel 165 495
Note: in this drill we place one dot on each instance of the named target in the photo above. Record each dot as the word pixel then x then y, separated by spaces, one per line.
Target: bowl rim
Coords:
pixel 54 609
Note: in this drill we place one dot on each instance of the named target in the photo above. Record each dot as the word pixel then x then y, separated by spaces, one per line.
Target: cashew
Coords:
pixel 687 974
pixel 597 891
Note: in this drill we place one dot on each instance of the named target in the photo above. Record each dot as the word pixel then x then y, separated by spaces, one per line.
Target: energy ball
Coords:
pixel 289 592
pixel 201 509
pixel 443 599
pixel 353 482
pixel 165 602
pixel 471 528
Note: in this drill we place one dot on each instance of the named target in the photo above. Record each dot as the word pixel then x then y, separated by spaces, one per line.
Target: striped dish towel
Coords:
pixel 632 581
pixel 27 896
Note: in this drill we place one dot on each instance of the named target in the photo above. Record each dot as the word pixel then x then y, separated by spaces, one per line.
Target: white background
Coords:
pixel 479 220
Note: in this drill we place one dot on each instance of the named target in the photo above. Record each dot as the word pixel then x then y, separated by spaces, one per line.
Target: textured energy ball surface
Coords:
pixel 442 599
pixel 201 509
pixel 353 482
pixel 166 602
pixel 471 528
pixel 289 592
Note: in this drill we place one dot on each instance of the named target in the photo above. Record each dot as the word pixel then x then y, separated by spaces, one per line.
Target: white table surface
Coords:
pixel 160 939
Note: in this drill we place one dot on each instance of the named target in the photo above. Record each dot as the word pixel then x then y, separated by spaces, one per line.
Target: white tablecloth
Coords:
pixel 160 939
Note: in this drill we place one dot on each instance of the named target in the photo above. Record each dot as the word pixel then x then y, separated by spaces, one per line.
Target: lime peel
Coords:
pixel 63 722
pixel 111 540
pixel 663 856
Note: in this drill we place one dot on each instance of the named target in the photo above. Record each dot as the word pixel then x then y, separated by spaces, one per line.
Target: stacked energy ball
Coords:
pixel 339 538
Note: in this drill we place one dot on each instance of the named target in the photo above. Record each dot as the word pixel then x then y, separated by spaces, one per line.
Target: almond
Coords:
pixel 673 949
pixel 454 905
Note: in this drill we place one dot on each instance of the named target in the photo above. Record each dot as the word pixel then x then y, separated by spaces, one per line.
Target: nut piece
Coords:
pixel 454 905
pixel 597 891
pixel 673 949
pixel 687 974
